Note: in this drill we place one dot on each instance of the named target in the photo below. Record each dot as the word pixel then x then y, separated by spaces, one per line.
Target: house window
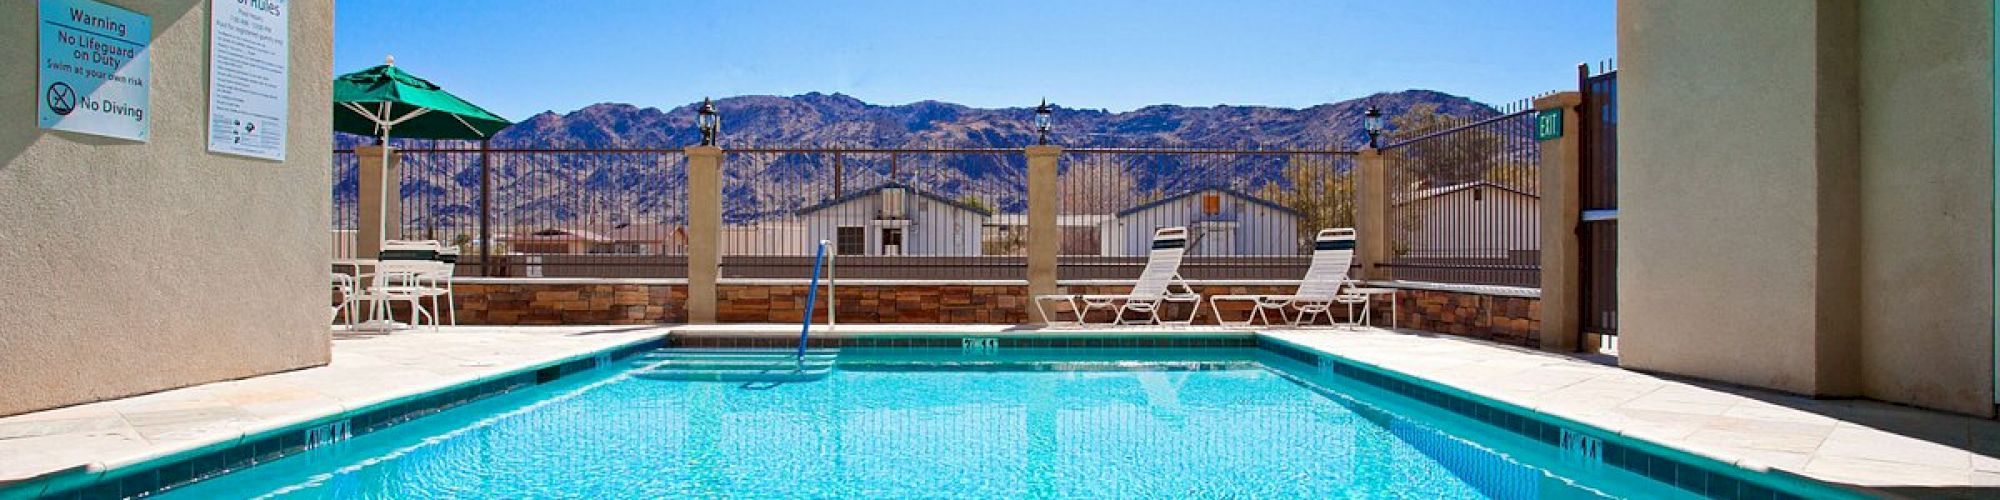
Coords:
pixel 892 241
pixel 1211 204
pixel 850 240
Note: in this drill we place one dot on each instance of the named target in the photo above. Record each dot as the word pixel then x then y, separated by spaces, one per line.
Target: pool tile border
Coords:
pixel 957 341
pixel 1707 480
pixel 182 469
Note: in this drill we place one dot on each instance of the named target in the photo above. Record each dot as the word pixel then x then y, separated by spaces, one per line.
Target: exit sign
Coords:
pixel 1549 124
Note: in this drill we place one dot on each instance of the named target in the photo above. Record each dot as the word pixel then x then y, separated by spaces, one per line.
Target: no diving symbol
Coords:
pixel 60 98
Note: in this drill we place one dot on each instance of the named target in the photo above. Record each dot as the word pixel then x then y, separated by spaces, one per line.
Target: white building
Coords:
pixel 765 237
pixel 1221 222
pixel 895 219
pixel 1473 220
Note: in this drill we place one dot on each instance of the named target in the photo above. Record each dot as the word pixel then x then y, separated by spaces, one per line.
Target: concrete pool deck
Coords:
pixel 1896 449
pixel 367 369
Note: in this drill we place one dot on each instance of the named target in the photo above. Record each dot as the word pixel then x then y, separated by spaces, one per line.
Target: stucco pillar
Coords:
pixel 1740 195
pixel 704 187
pixel 369 235
pixel 1562 211
pixel 1042 233
pixel 1374 246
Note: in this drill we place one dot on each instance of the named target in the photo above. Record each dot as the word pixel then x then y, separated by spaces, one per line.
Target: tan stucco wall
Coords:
pixel 1717 191
pixel 1804 196
pixel 134 267
pixel 1926 181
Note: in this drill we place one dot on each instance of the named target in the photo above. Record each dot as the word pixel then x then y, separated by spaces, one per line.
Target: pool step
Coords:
pixel 736 365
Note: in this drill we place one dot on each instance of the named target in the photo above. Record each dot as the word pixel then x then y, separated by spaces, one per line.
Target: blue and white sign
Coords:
pixel 95 69
pixel 249 61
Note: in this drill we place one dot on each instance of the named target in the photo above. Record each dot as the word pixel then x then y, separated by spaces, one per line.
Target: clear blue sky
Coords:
pixel 520 57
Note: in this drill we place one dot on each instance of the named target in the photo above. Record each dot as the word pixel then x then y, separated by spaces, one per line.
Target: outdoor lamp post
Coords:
pixel 1042 123
pixel 1372 122
pixel 708 122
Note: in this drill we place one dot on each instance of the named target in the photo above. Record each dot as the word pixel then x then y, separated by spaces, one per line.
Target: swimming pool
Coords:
pixel 923 422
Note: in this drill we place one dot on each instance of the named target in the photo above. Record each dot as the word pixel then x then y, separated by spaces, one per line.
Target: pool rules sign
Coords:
pixel 249 54
pixel 95 69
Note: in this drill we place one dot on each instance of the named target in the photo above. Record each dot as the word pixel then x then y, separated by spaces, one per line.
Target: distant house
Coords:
pixel 629 239
pixel 895 219
pixel 1221 222
pixel 1007 234
pixel 1472 220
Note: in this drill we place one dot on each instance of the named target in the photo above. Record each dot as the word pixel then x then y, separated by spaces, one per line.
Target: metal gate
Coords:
pixel 1599 172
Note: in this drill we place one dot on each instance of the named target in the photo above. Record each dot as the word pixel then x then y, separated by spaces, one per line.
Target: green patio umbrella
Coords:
pixel 384 102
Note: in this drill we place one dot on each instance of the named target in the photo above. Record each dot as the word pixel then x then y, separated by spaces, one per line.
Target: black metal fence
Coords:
pixel 1251 214
pixel 1599 179
pixel 1464 208
pixel 1465 197
pixel 537 212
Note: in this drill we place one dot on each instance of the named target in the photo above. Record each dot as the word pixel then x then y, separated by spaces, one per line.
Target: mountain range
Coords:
pixel 565 188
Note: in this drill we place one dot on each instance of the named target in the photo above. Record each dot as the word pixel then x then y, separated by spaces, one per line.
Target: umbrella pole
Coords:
pixel 381 319
pixel 382 223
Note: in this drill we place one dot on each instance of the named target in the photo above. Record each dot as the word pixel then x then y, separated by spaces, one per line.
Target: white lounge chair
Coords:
pixel 1333 252
pixel 1154 288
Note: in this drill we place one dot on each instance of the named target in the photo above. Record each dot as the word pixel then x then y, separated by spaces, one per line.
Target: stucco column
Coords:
pixel 1562 211
pixel 704 187
pixel 1373 244
pixel 368 236
pixel 1042 233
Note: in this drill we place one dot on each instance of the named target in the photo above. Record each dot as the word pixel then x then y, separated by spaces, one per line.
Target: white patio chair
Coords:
pixel 435 283
pixel 344 285
pixel 1333 253
pixel 1154 288
pixel 401 281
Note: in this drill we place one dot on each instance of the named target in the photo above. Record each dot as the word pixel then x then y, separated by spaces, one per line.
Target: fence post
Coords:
pixel 1371 216
pixel 486 208
pixel 704 192
pixel 1043 235
pixel 1561 189
pixel 377 212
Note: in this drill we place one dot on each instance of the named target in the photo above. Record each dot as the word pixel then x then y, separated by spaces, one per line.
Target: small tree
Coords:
pixel 974 202
pixel 1453 158
pixel 1322 195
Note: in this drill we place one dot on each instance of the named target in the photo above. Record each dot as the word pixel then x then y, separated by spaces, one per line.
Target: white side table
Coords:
pixel 1371 292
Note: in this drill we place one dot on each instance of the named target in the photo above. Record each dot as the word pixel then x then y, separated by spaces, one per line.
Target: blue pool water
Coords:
pixel 917 423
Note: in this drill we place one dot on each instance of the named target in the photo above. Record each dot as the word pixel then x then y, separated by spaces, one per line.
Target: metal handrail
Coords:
pixel 812 294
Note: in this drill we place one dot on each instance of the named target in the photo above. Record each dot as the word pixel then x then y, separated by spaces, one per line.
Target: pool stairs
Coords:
pixel 736 365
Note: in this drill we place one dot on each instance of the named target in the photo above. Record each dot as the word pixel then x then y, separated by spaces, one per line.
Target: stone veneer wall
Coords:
pixel 1504 319
pixel 992 304
pixel 570 304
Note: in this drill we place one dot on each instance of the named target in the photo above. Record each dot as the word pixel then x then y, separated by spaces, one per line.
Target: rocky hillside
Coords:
pixel 546 189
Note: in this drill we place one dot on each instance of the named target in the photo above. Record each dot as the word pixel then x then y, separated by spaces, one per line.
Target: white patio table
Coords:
pixel 379 318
